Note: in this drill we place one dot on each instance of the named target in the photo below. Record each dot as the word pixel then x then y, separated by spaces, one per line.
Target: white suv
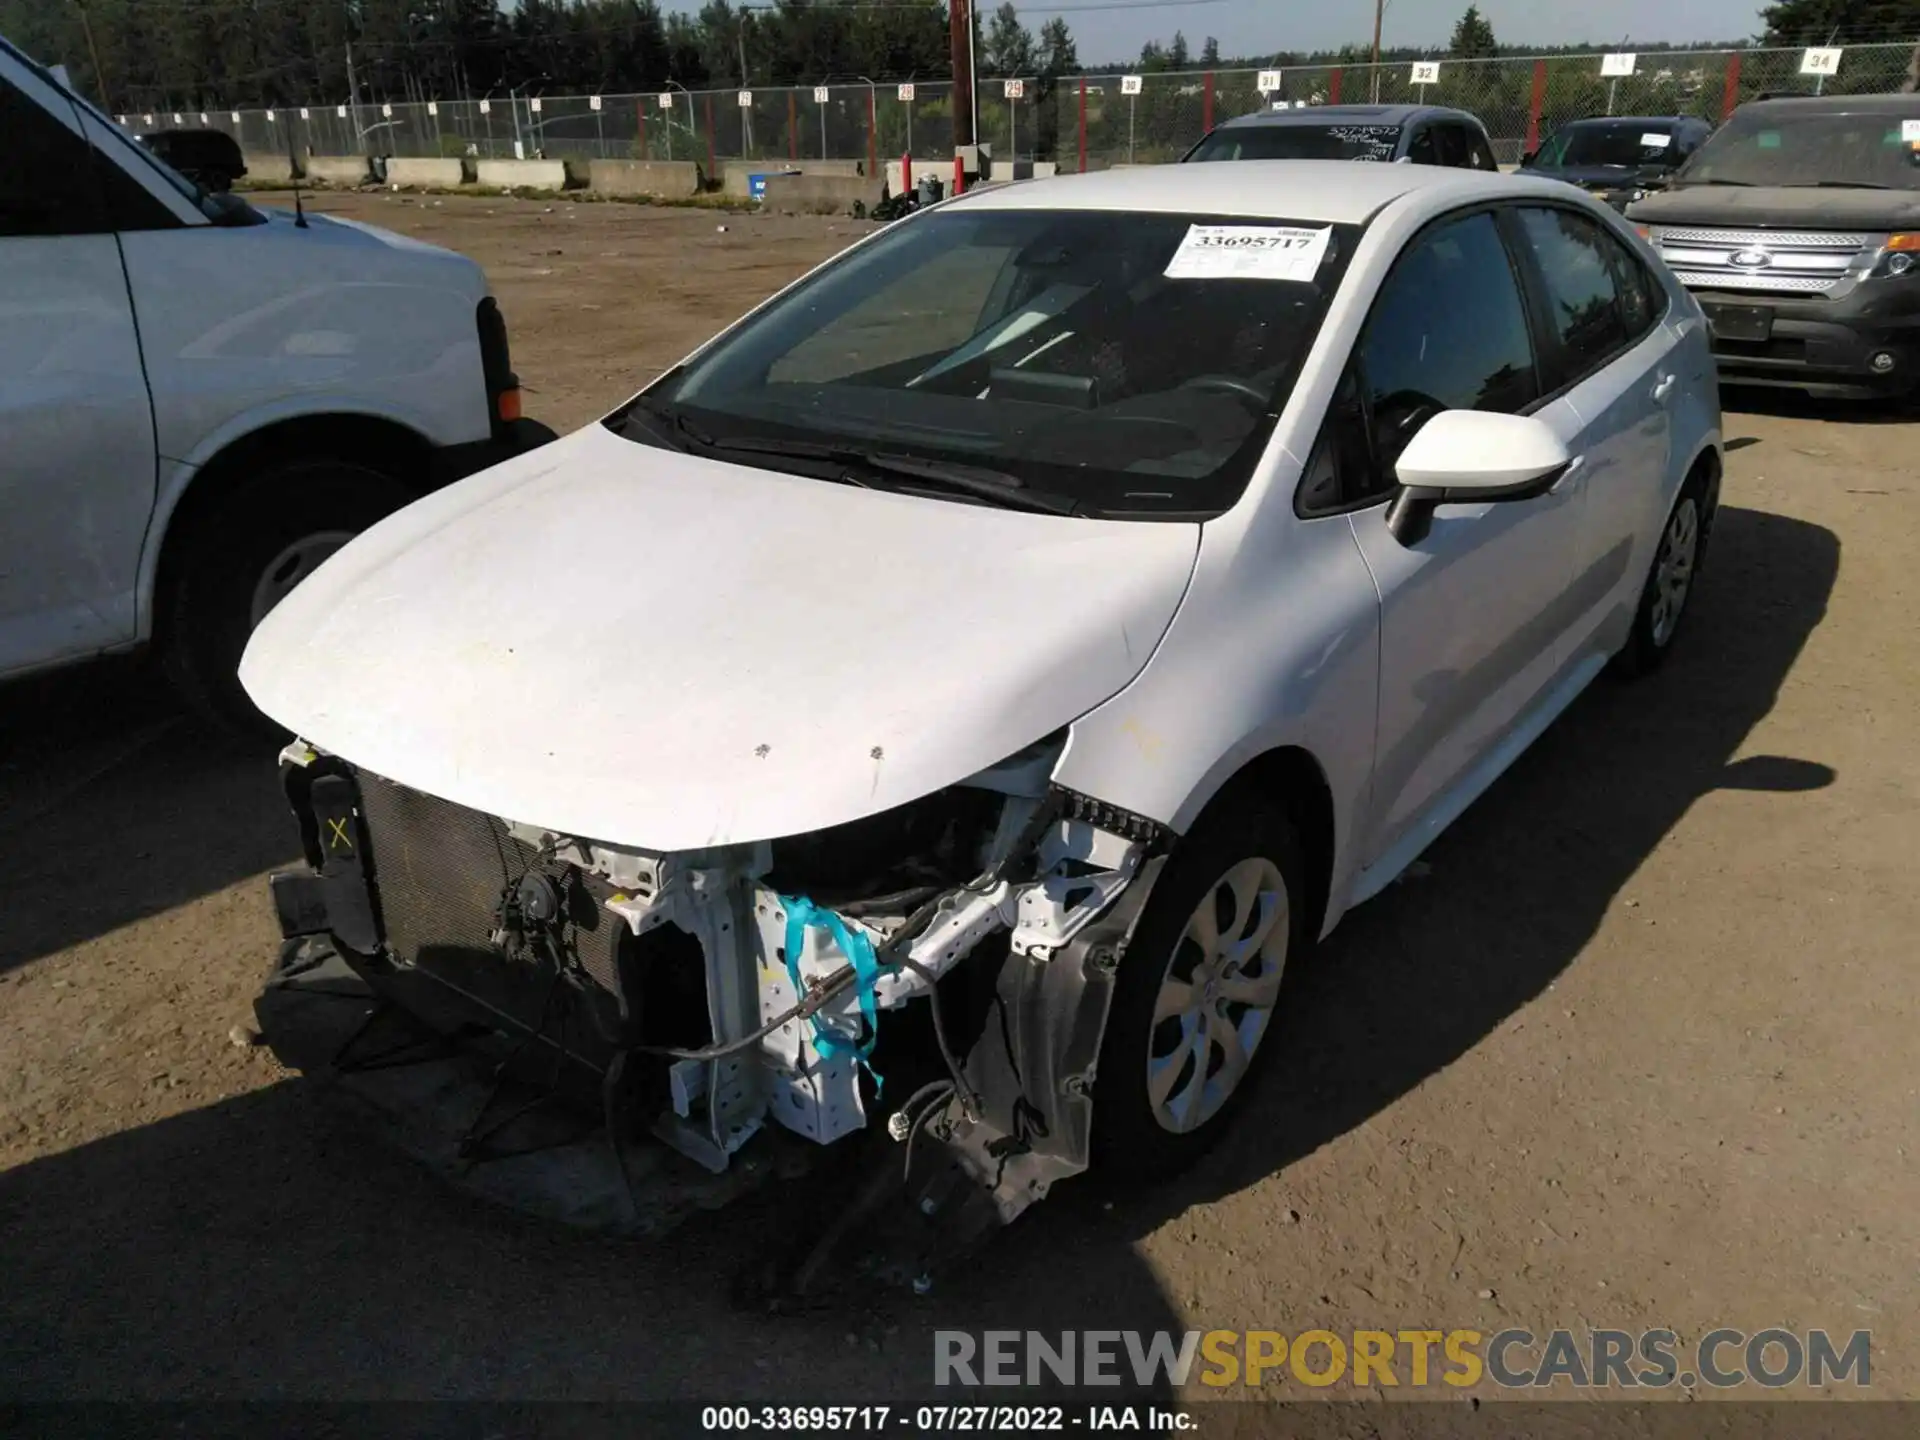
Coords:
pixel 199 400
pixel 1066 603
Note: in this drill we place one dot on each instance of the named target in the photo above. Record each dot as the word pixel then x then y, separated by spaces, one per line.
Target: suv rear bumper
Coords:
pixel 1828 346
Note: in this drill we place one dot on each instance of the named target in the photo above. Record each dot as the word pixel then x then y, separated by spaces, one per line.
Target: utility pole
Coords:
pixel 353 95
pixel 1379 13
pixel 960 44
pixel 93 50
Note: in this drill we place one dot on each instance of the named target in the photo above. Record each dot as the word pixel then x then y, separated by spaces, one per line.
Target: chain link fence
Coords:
pixel 1079 122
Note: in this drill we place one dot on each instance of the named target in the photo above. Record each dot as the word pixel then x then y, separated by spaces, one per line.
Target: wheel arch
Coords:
pixel 377 442
pixel 1291 779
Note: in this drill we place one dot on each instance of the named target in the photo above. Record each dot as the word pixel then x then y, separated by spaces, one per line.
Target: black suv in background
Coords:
pixel 1797 225
pixel 1618 157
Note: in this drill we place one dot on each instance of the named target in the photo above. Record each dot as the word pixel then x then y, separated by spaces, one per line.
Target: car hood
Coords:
pixel 1619 177
pixel 1792 207
pixel 649 648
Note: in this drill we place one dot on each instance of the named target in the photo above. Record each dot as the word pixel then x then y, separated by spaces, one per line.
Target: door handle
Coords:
pixel 1663 387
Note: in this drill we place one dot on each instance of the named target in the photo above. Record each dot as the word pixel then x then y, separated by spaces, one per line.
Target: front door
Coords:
pixel 77 478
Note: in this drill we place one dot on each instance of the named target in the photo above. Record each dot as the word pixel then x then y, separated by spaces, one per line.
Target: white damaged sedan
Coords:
pixel 957 692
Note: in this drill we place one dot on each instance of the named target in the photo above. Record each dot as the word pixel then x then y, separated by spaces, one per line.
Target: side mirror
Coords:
pixel 1464 457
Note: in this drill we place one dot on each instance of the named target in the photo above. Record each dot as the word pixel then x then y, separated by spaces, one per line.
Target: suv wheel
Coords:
pixel 244 559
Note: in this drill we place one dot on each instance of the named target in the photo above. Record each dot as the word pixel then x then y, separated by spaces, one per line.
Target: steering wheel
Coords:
pixel 1229 385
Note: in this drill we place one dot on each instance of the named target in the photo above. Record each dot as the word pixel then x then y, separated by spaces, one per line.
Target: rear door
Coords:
pixel 77 477
pixel 1606 348
pixel 1473 616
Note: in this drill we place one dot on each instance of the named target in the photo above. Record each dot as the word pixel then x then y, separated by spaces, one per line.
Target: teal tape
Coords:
pixel 803 915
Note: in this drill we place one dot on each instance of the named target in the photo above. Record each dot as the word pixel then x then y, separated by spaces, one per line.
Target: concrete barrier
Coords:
pixel 671 179
pixel 262 168
pixel 338 169
pixel 409 172
pixel 523 174
pixel 820 194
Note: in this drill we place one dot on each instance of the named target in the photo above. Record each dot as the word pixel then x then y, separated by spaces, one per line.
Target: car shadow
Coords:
pixel 1787 404
pixel 102 777
pixel 264 1247
pixel 1516 888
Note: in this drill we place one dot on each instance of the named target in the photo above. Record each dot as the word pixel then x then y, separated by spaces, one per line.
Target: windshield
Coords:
pixel 1624 143
pixel 1300 142
pixel 1107 363
pixel 1772 147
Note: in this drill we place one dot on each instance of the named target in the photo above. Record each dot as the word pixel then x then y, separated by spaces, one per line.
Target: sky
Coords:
pixel 1254 27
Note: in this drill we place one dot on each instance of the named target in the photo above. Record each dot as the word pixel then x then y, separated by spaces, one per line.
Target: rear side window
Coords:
pixel 1447 332
pixel 1599 298
pixel 46 174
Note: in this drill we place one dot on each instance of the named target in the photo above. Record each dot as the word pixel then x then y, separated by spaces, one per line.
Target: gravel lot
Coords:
pixel 1635 1048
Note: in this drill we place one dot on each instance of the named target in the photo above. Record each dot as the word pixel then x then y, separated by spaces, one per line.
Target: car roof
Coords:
pixel 1336 192
pixel 1348 114
pixel 1633 120
pixel 1906 103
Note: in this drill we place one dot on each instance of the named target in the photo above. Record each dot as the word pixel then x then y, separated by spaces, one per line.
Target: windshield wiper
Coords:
pixel 1836 185
pixel 866 467
pixel 1745 184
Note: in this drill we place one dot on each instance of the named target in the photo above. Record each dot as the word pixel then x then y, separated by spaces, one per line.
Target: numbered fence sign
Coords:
pixel 433 107
pixel 486 107
pixel 386 111
pixel 1426 72
pixel 820 94
pixel 1820 61
pixel 1617 65
pixel 236 117
pixel 666 99
pixel 176 118
pixel 905 93
pixel 1014 89
pixel 744 99
pixel 593 102
pixel 270 117
pixel 204 120
pixel 1129 84
pixel 534 104
pixel 1267 82
pixel 303 114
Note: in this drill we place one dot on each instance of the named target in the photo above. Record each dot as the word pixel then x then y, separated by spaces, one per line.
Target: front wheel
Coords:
pixel 245 558
pixel 1670 583
pixel 1197 992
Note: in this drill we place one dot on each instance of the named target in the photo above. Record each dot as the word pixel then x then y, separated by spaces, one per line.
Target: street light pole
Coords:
pixel 1379 14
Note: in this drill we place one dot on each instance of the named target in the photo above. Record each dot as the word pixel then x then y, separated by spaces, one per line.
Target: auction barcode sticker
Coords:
pixel 1248 252
pixel 1910 131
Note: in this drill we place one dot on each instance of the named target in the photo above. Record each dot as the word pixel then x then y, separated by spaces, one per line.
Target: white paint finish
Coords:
pixel 1479 450
pixel 657 650
pixel 260 322
pixel 77 473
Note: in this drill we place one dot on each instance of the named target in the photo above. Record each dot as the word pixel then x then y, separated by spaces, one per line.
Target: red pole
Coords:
pixel 1539 99
pixel 793 129
pixel 906 171
pixel 1730 97
pixel 1206 105
pixel 1083 124
pixel 710 167
pixel 873 141
pixel 1333 86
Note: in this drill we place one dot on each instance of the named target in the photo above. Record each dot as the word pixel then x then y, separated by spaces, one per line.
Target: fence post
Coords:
pixel 1533 108
pixel 640 109
pixel 1333 86
pixel 793 128
pixel 712 173
pixel 1083 124
pixel 873 140
pixel 1730 97
pixel 1206 106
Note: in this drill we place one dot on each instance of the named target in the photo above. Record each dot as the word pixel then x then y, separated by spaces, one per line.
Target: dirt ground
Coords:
pixel 1636 1048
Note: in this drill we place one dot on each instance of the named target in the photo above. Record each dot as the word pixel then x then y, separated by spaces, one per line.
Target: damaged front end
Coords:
pixel 616 1037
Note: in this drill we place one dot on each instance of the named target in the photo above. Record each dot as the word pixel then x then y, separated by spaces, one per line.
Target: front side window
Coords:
pixel 1448 331
pixel 1450 142
pixel 1298 141
pixel 1422 150
pixel 46 180
pixel 1101 363
pixel 1597 305
pixel 1775 146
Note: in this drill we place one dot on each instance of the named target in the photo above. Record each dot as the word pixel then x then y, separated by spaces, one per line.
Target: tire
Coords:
pixel 241 559
pixel 1658 618
pixel 1142 1128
